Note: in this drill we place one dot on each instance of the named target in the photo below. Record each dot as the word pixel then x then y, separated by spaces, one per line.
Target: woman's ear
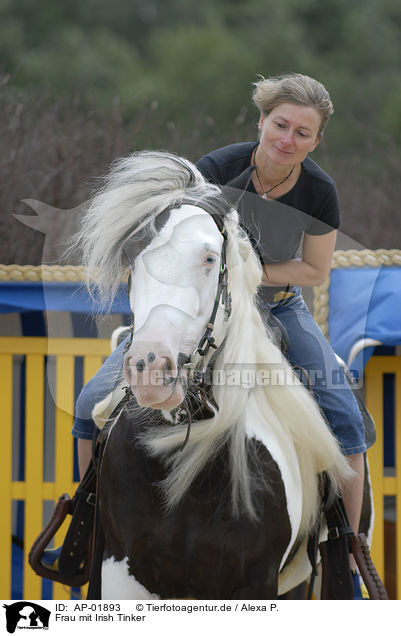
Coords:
pixel 261 122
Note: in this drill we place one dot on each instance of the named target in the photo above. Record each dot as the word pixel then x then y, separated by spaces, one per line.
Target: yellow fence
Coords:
pixel 33 491
pixel 385 485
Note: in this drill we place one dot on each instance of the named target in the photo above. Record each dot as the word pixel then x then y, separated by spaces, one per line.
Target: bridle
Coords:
pixel 207 340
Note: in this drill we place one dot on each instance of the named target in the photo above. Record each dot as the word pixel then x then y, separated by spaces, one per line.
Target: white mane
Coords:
pixel 136 191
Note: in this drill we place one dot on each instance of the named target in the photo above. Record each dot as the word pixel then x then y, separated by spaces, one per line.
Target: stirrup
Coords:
pixel 49 558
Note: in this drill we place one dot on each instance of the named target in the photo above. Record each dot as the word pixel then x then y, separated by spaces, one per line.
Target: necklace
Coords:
pixel 266 192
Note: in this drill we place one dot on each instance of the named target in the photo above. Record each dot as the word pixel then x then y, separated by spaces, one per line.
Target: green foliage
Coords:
pixel 97 64
pixel 190 65
pixel 85 81
pixel 183 76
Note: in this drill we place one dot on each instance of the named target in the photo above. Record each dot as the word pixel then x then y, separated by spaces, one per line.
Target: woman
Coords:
pixel 284 199
pixel 282 195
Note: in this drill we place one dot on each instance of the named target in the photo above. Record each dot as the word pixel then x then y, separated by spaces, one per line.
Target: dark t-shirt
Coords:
pixel 275 226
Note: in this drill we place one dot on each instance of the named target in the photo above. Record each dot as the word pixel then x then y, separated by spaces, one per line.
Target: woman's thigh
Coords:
pixel 307 345
pixel 309 349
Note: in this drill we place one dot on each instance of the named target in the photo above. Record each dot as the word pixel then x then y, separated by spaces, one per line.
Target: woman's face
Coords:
pixel 289 132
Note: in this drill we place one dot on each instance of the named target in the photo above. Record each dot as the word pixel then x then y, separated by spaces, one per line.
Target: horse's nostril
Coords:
pixel 151 357
pixel 140 366
pixel 167 381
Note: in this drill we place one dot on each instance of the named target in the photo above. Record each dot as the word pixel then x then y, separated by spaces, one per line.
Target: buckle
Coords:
pixel 91 499
pixel 334 533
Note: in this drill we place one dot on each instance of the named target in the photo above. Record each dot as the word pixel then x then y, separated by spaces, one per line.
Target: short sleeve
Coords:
pixel 326 217
pixel 209 169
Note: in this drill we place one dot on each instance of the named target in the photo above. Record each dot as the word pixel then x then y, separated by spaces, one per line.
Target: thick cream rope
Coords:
pixel 38 273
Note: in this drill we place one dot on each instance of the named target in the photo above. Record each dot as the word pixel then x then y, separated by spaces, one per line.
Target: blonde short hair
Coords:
pixel 295 89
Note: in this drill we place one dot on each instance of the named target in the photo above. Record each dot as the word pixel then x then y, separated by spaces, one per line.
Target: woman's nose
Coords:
pixel 287 139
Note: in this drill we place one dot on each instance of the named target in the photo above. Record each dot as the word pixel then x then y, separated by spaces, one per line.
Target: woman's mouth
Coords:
pixel 282 151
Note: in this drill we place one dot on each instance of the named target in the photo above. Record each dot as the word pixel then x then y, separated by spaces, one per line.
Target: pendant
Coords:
pixel 264 196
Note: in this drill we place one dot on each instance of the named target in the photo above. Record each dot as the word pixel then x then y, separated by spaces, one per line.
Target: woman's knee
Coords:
pixel 86 400
pixel 101 384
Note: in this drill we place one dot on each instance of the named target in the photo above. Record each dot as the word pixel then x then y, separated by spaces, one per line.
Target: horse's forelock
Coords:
pixel 133 195
pixel 153 169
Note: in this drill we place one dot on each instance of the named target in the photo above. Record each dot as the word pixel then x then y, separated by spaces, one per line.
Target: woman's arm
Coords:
pixel 312 269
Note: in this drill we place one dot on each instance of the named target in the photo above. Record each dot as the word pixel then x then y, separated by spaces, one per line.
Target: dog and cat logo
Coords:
pixel 26 615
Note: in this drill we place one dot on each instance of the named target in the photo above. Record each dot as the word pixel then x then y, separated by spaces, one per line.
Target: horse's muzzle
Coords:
pixel 155 379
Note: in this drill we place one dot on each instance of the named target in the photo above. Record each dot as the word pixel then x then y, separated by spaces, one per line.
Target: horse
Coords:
pixel 209 483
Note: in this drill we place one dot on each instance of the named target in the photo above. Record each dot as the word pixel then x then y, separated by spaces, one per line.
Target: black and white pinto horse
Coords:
pixel 208 489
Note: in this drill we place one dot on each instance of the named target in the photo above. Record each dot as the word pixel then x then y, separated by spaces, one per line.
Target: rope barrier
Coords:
pixel 46 273
pixel 341 259
pixel 38 273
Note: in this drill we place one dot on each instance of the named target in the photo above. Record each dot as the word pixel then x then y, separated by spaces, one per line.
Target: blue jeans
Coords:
pixel 108 376
pixel 308 348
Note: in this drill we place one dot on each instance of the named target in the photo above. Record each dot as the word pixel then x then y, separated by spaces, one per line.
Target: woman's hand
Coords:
pixel 311 270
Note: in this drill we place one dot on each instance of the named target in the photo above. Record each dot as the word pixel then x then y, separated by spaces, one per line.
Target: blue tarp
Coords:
pixel 364 303
pixel 72 297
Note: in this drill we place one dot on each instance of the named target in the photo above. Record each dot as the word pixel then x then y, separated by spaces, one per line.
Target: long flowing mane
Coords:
pixel 137 190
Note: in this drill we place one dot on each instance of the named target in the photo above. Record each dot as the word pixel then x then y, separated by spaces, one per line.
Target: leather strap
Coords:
pixel 312 550
pixel 337 579
pixel 374 584
pixel 74 551
pixel 336 572
pixel 99 448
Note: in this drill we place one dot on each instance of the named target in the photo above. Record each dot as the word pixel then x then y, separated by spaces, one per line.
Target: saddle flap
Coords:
pixel 75 548
pixel 337 580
